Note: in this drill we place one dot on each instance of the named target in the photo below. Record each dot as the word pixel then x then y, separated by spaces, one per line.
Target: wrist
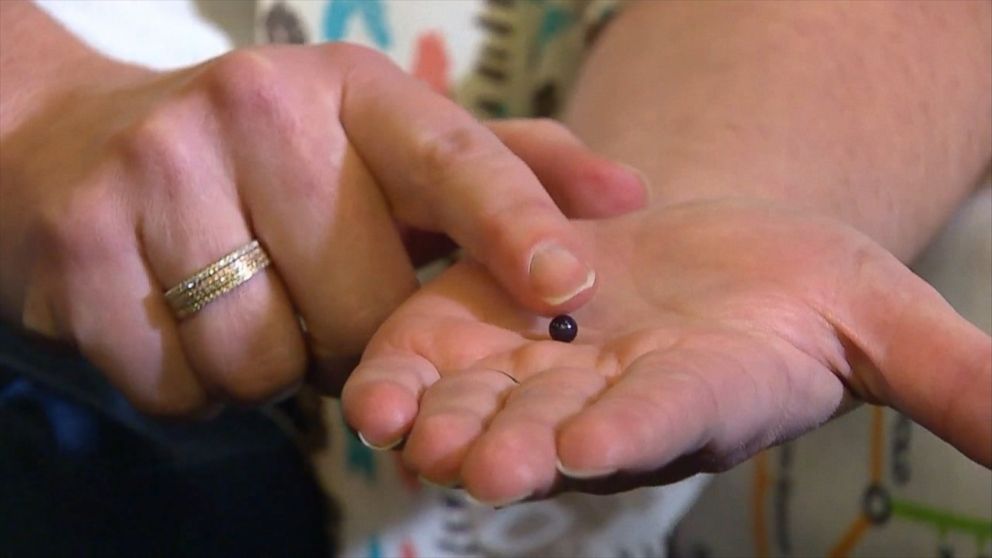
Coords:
pixel 674 187
pixel 41 62
pixel 813 193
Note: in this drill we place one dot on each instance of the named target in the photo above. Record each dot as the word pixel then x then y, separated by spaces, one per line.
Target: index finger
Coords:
pixel 444 171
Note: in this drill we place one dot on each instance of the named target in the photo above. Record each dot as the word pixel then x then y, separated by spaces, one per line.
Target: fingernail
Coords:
pixel 583 474
pixel 285 393
pixel 386 447
pixel 432 484
pixel 636 172
pixel 641 177
pixel 499 503
pixel 557 275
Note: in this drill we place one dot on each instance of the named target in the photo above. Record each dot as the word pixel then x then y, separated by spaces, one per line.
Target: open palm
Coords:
pixel 718 329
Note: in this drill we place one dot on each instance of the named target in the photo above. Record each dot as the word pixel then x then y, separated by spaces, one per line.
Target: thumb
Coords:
pixel 931 363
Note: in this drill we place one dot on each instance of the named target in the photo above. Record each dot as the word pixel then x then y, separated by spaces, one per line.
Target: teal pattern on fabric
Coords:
pixel 375 547
pixel 555 21
pixel 338 13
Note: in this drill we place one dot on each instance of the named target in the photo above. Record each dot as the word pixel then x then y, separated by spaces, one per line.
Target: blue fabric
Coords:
pixel 82 473
pixel 338 13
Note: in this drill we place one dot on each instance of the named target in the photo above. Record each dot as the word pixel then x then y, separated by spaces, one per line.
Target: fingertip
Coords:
pixel 381 412
pixel 497 503
pixel 496 465
pixel 634 190
pixel 582 474
pixel 589 447
pixel 607 188
pixel 583 183
pixel 384 447
pixel 558 276
pixel 507 467
pixel 438 444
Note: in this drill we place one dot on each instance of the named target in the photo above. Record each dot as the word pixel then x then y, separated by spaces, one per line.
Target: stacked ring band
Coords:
pixel 217 279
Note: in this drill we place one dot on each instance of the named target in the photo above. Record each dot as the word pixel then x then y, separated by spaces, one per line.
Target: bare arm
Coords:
pixel 879 114
pixel 40 60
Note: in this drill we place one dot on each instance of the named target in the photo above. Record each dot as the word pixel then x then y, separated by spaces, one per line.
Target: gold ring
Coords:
pixel 217 279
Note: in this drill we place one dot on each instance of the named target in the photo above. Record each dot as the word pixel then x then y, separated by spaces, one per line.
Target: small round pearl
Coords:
pixel 563 328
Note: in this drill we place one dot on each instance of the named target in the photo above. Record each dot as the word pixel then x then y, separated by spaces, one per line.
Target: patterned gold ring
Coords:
pixel 216 280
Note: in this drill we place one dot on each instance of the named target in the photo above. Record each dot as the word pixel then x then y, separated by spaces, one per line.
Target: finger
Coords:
pixel 115 314
pixel 443 171
pixel 246 345
pixel 381 398
pixel 336 246
pixel 582 183
pixel 724 396
pixel 515 457
pixel 312 202
pixel 653 414
pixel 453 413
pixel 929 358
pixel 588 186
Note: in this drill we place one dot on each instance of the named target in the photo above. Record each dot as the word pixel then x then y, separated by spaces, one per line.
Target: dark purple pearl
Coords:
pixel 563 328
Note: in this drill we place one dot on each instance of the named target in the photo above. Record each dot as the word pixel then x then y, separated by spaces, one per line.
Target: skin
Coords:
pixel 793 153
pixel 118 182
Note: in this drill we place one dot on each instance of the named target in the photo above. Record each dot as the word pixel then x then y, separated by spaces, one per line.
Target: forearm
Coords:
pixel 877 114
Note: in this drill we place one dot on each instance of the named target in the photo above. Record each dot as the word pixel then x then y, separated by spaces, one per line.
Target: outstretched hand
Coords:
pixel 719 329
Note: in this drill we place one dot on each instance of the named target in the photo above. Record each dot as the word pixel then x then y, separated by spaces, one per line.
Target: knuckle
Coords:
pixel 263 373
pixel 169 392
pixel 522 222
pixel 245 84
pixel 154 147
pixel 438 155
pixel 241 75
pixel 85 228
